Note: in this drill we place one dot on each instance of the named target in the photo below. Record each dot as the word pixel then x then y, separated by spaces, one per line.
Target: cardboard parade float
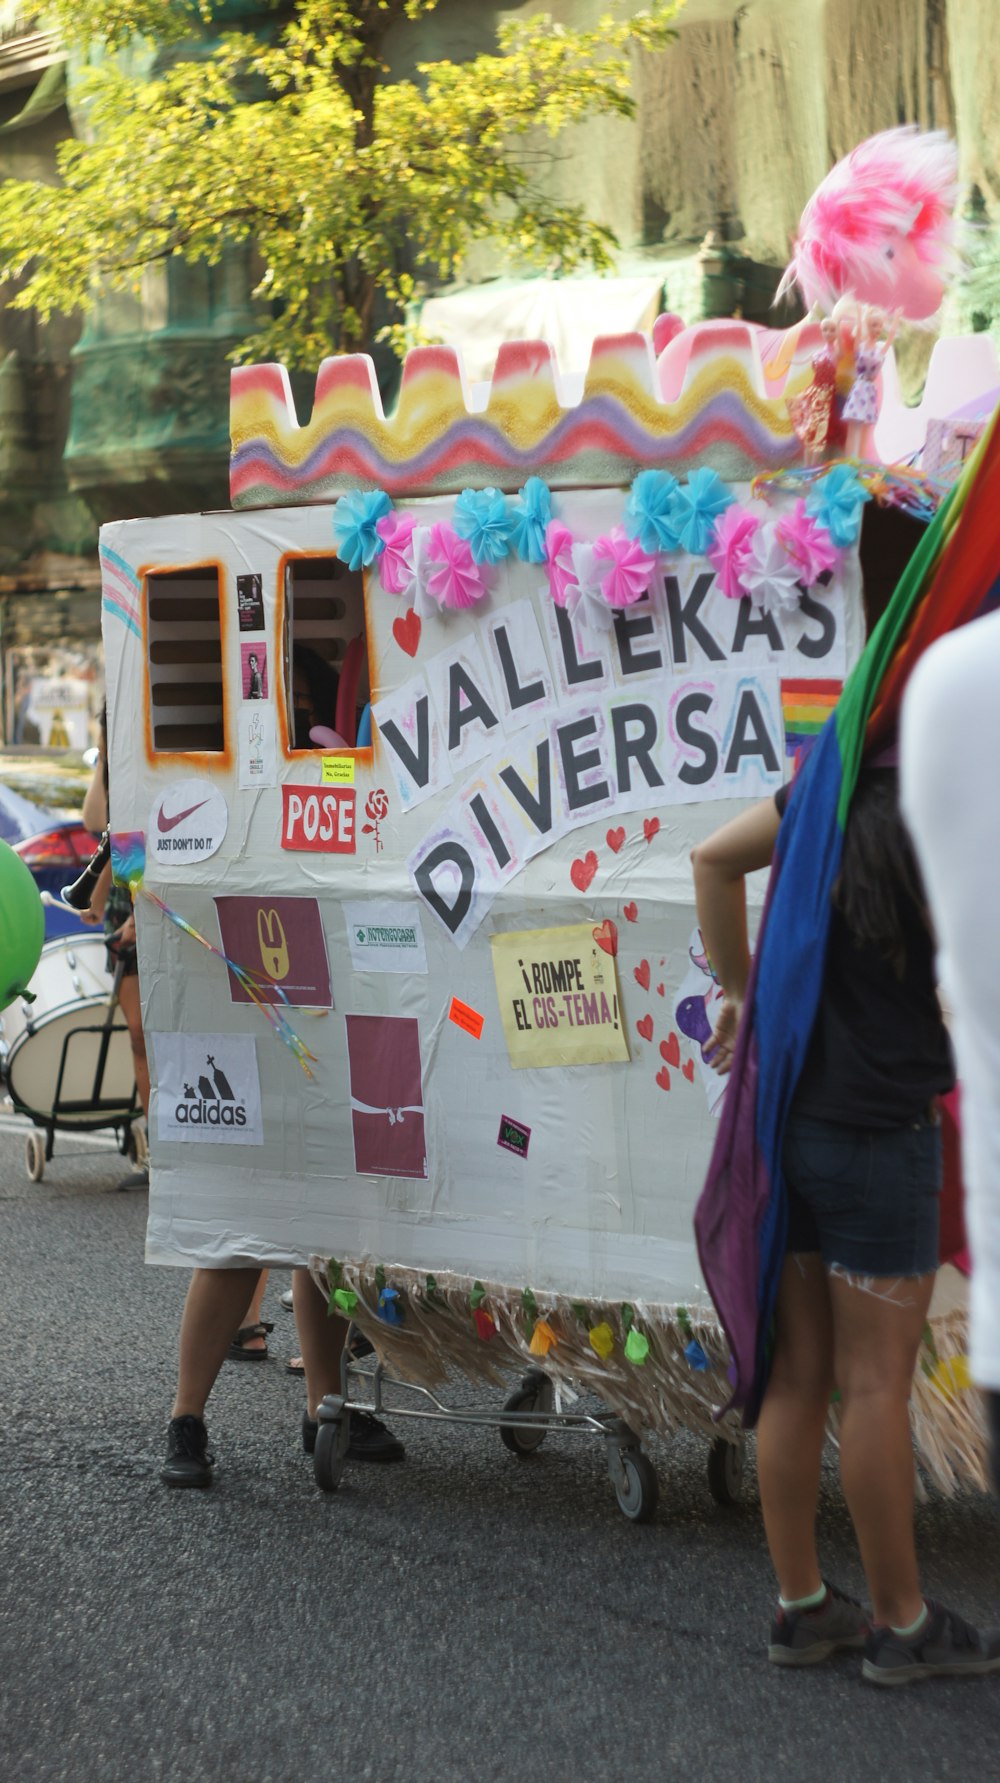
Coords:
pixel 425 999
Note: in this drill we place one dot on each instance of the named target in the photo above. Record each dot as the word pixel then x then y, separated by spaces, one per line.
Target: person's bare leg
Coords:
pixel 321 1337
pixel 216 1299
pixel 878 1323
pixel 252 1315
pixel 128 1002
pixel 792 1424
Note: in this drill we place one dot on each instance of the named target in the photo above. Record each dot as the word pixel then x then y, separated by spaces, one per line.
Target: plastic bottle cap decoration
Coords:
pixel 602 1340
pixel 484 1324
pixel 345 1300
pixel 636 1347
pixel 390 1307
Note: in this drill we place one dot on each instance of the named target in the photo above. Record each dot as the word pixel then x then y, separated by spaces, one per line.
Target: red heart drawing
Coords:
pixel 650 827
pixel 641 974
pixel 688 1070
pixel 671 1051
pixel 606 936
pixel 631 913
pixel 663 1078
pixel 661 990
pixel 406 631
pixel 615 839
pixel 645 1027
pixel 582 872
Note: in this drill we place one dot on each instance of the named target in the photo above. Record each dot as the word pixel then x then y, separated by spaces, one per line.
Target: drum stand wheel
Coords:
pixel 34 1157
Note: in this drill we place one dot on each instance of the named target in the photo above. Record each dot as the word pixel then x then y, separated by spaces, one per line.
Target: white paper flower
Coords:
pixel 416 590
pixel 769 575
pixel 585 598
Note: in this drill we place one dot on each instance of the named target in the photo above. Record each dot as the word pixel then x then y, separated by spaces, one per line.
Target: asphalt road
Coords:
pixel 465 1616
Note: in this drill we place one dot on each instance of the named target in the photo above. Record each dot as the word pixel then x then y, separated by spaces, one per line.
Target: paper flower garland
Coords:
pixel 559 561
pixel 648 511
pixel 769 575
pixel 768 561
pixel 530 516
pixel 695 508
pixel 807 544
pixel 730 548
pixel 355 520
pixel 480 516
pixel 395 564
pixel 836 501
pixel 630 572
pixel 455 579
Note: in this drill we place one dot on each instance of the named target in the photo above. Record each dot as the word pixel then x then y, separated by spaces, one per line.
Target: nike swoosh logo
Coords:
pixel 165 823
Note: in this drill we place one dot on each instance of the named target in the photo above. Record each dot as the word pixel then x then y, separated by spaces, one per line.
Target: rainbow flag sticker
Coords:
pixel 805 707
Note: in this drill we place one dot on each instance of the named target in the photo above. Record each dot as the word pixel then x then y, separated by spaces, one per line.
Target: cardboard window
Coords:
pixel 185 660
pixel 324 653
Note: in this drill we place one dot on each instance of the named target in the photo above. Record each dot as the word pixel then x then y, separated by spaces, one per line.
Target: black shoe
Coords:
pixel 945 1647
pixel 370 1440
pixel 188 1462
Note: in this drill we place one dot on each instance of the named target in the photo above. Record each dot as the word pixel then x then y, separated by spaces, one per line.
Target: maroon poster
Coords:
pixel 253 668
pixel 387 1108
pixel 281 942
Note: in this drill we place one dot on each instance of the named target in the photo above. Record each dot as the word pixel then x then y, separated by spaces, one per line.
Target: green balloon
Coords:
pixel 22 926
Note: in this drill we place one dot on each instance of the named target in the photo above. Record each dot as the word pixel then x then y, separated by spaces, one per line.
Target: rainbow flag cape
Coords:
pixel 741 1217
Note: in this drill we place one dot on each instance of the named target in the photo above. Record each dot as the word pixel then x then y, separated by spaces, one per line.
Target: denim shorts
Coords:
pixel 866 1198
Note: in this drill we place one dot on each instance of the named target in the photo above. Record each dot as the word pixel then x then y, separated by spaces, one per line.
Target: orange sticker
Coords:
pixel 469 1020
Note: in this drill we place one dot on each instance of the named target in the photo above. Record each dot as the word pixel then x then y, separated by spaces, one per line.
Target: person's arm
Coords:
pixel 99 897
pixel 95 805
pixel 721 864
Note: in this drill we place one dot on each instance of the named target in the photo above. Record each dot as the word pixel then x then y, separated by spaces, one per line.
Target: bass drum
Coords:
pixel 72 991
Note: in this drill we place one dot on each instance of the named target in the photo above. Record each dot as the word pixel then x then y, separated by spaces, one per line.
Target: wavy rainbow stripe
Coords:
pixel 120 590
pixel 439 441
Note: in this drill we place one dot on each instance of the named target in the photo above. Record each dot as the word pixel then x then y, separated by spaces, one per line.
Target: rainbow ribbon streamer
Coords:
pixel 250 983
pixel 892 486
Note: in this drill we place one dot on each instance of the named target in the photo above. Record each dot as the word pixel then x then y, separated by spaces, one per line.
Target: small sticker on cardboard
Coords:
pixel 469 1020
pixel 513 1137
pixel 338 770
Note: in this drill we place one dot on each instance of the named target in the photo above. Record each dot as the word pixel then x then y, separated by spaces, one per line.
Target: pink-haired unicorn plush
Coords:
pixel 880 228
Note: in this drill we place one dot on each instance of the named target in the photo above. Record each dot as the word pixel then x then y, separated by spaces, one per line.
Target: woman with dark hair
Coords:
pixel 862 1165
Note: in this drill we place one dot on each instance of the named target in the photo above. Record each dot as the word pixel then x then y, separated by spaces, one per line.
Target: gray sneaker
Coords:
pixel 804 1637
pixel 946 1647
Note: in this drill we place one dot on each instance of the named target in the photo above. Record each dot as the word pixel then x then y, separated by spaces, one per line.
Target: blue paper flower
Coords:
pixel 481 518
pixel 648 515
pixel 836 502
pixel 529 517
pixel 697 1357
pixel 354 519
pixel 390 1307
pixel 695 506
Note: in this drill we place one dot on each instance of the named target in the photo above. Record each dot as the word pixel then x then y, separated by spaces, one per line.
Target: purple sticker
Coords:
pixel 513 1137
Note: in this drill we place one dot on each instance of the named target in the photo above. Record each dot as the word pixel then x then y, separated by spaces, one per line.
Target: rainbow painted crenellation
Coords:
pixel 714 395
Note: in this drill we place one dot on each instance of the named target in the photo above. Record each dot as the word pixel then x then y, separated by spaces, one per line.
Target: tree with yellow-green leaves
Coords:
pixel 348 184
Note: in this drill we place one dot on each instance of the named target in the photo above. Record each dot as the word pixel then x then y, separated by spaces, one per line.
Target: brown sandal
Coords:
pixel 237 1350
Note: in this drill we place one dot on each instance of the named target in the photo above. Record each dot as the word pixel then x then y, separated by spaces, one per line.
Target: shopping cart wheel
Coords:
pixel 332 1439
pixel 533 1395
pixel 725 1471
pixel 34 1157
pixel 634 1479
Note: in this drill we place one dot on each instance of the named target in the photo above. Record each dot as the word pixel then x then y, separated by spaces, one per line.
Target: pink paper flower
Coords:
pixel 395 565
pixel 808 545
pixel 772 579
pixel 559 561
pixel 456 579
pixel 630 572
pixel 729 549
